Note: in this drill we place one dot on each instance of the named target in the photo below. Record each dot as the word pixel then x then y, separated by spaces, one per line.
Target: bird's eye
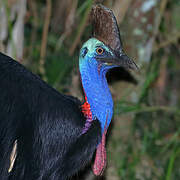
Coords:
pixel 100 50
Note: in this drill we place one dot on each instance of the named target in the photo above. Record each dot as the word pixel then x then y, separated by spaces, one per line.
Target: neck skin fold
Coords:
pixel 93 76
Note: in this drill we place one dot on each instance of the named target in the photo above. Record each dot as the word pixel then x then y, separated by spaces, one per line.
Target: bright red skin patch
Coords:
pixel 86 110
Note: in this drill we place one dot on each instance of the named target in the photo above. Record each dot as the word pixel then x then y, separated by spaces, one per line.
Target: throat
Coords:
pixel 97 95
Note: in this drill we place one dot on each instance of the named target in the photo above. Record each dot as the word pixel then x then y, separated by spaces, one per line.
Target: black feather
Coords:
pixel 46 124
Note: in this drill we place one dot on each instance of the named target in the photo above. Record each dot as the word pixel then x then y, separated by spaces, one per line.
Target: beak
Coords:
pixel 119 59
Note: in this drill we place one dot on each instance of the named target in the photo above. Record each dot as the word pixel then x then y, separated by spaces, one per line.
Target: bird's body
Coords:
pixel 46 124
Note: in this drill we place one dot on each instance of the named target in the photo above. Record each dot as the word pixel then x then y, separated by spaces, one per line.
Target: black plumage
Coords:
pixel 46 124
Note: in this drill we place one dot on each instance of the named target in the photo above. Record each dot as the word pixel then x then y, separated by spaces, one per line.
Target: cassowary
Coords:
pixel 55 134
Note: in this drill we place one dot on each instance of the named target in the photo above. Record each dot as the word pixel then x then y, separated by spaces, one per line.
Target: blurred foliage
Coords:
pixel 144 141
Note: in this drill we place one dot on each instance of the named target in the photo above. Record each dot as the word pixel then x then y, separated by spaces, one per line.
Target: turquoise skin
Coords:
pixel 93 76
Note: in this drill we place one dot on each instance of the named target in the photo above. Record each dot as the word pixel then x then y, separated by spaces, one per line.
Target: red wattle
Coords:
pixel 100 159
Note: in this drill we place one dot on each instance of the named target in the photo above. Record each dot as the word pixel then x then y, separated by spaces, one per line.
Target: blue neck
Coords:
pixel 97 91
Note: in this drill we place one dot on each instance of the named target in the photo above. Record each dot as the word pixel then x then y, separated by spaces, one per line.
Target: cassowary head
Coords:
pixel 95 53
pixel 104 50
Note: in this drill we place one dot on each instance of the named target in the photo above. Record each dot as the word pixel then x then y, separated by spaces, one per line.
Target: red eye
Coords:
pixel 100 50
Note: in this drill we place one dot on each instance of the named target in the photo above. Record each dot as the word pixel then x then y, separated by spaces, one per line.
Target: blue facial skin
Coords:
pixel 93 75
